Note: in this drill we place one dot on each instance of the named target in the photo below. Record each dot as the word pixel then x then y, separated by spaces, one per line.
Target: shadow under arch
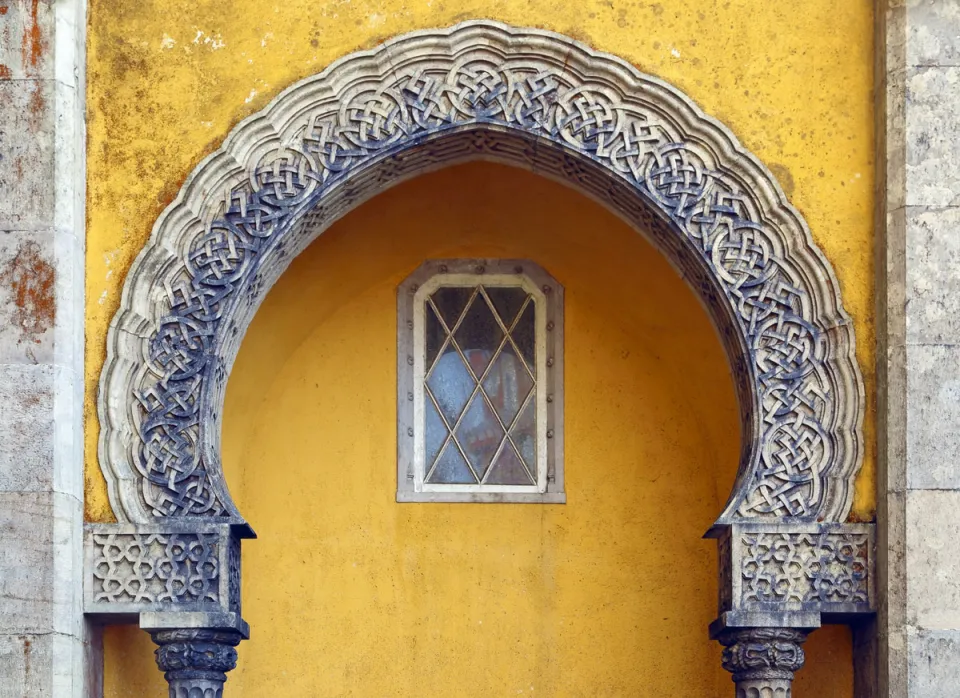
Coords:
pixel 528 98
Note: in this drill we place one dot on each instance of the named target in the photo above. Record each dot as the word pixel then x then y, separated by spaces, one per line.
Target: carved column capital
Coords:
pixel 763 660
pixel 195 661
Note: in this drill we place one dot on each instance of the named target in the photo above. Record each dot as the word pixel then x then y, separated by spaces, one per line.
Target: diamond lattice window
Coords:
pixel 480 363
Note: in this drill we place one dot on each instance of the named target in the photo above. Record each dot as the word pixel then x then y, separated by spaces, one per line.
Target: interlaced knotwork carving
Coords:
pixel 342 152
pixel 479 92
pixel 588 121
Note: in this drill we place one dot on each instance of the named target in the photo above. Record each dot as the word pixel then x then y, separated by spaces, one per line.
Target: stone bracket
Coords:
pixel 181 567
pixel 782 570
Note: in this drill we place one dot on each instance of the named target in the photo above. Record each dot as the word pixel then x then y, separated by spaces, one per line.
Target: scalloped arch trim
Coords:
pixel 480 90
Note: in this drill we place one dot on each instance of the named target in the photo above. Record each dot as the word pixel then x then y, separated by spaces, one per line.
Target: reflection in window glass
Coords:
pixel 480 416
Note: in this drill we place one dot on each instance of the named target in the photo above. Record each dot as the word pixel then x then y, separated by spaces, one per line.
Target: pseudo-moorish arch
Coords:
pixel 482 90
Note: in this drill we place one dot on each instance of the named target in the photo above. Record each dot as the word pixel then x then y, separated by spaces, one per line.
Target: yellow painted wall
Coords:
pixel 169 78
pixel 351 594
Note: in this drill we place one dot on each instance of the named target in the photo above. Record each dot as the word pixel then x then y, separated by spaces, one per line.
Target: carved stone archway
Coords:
pixel 482 90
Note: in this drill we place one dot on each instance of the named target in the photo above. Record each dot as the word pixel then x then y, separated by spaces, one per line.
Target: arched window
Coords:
pixel 480 377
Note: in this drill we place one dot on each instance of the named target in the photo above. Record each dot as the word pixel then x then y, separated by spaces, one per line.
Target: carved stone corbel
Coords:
pixel 180 579
pixel 778 582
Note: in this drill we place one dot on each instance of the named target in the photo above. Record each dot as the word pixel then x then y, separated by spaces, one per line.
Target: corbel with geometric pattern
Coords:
pixel 778 582
pixel 180 581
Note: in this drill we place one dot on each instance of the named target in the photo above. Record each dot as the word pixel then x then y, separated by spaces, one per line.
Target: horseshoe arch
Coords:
pixel 480 90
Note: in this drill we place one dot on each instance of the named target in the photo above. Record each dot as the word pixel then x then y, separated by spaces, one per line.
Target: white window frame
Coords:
pixel 412 294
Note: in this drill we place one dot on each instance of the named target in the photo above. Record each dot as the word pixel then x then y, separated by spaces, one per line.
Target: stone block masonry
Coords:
pixel 918 93
pixel 45 645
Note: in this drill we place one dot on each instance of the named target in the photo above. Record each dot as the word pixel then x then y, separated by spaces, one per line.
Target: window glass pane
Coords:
pixel 450 301
pixel 507 384
pixel 451 384
pixel 525 335
pixel 508 470
pixel 480 423
pixel 436 431
pixel 452 468
pixel 524 433
pixel 479 335
pixel 480 434
pixel 507 300
pixel 435 335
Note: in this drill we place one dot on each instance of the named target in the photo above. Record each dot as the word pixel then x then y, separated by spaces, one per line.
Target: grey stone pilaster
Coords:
pixel 45 647
pixel 918 79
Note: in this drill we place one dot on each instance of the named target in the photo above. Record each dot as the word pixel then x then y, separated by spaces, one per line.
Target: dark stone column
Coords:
pixel 195 661
pixel 763 660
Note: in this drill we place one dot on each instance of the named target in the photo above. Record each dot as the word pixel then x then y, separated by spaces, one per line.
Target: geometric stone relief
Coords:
pixel 481 90
pixel 792 568
pixel 168 566
pixel 153 567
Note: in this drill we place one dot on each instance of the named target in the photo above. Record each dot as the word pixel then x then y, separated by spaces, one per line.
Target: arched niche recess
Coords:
pixel 423 101
pixel 480 90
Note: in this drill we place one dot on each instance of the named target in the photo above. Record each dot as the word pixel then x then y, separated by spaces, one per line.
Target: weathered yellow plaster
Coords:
pixel 169 78
pixel 350 593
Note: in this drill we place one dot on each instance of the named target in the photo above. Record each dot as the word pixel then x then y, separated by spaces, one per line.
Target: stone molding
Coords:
pixel 791 568
pixel 480 90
